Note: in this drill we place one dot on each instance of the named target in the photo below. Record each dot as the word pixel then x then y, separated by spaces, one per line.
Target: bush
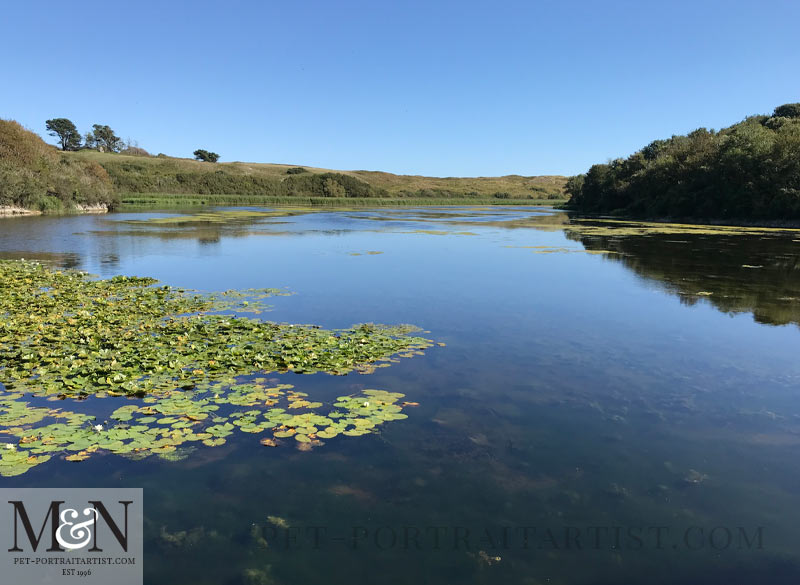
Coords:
pixel 296 171
pixel 135 151
pixel 35 175
pixel 788 111
pixel 205 155
pixel 750 170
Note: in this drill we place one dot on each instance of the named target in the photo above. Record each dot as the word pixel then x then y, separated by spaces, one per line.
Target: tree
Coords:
pixel 750 171
pixel 788 111
pixel 332 188
pixel 65 131
pixel 205 155
pixel 105 138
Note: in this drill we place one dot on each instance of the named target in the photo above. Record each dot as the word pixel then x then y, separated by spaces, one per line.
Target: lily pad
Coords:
pixel 185 358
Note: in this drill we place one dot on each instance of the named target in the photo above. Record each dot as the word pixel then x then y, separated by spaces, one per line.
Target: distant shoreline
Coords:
pixel 143 202
pixel 16 211
pixel 699 221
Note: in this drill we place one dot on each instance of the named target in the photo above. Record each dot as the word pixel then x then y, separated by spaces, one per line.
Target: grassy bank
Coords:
pixel 270 182
pixel 165 200
pixel 35 176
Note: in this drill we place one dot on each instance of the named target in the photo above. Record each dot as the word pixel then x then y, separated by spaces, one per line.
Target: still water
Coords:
pixel 614 403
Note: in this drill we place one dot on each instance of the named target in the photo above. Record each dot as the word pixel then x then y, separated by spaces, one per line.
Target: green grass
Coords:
pixel 163 200
pixel 36 176
pixel 163 174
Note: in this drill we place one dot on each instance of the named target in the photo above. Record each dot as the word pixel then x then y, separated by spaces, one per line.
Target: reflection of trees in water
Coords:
pixel 755 274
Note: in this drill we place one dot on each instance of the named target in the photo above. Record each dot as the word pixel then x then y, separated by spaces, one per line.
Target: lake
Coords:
pixel 613 402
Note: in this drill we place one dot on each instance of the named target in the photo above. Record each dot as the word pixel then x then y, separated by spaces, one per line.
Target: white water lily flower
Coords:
pixel 366 403
pixel 10 446
pixel 98 428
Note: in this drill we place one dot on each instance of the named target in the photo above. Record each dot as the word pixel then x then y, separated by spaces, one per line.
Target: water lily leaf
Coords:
pixel 181 355
pixel 213 442
pixel 328 433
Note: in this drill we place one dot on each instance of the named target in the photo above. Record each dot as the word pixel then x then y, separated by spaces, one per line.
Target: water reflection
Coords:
pixel 573 391
pixel 756 274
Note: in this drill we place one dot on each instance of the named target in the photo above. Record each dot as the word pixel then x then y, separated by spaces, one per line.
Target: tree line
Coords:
pixel 101 137
pixel 750 170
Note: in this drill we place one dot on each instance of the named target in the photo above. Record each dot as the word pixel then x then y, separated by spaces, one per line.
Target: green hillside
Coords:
pixel 144 179
pixel 749 171
pixel 36 176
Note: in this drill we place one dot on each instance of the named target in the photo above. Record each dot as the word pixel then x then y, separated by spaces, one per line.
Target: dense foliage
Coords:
pixel 164 175
pixel 748 171
pixel 174 176
pixel 66 132
pixel 104 168
pixel 34 175
pixel 103 137
pixel 205 155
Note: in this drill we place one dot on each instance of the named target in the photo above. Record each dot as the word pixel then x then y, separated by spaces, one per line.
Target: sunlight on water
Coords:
pixel 612 403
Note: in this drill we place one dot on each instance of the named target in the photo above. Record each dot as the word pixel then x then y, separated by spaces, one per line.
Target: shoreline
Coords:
pixel 699 221
pixel 16 211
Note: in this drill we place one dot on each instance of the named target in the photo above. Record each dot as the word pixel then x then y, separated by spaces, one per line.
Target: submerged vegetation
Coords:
pixel 749 172
pixel 179 354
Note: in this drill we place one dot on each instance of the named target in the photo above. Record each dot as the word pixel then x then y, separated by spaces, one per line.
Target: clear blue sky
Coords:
pixel 420 87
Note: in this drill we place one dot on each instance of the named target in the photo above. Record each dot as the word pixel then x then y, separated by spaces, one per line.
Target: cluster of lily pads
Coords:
pixel 170 425
pixel 180 357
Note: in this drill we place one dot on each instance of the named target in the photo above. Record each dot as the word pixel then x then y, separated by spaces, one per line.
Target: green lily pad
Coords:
pixel 181 354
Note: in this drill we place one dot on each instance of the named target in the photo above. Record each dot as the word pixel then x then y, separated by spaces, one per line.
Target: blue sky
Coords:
pixel 433 88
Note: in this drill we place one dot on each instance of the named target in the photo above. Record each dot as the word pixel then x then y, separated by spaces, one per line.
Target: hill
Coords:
pixel 158 179
pixel 36 176
pixel 749 171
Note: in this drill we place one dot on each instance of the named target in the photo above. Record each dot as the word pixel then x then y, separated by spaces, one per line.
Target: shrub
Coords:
pixel 205 155
pixel 135 151
pixel 35 175
pixel 788 111
pixel 750 170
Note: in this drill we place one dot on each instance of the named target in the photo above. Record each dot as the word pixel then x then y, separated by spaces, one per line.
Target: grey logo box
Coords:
pixel 72 535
